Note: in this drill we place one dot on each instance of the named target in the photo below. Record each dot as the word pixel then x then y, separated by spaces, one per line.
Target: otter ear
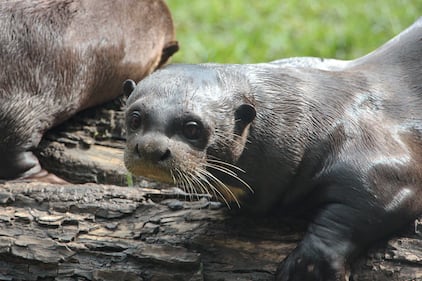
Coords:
pixel 245 113
pixel 169 49
pixel 128 87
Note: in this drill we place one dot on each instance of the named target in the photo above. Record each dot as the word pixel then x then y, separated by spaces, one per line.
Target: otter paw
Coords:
pixel 43 176
pixel 309 265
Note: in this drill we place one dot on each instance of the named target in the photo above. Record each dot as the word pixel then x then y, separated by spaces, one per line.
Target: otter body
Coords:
pixel 340 139
pixel 60 57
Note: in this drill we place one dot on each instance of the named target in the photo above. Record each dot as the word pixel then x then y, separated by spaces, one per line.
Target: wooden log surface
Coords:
pixel 105 230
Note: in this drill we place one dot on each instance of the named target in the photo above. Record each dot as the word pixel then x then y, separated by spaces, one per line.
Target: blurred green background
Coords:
pixel 248 31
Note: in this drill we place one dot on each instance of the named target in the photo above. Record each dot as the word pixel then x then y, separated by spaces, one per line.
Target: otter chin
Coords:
pixel 340 140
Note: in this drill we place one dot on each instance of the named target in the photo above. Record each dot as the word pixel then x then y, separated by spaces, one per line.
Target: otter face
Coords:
pixel 180 130
pixel 162 145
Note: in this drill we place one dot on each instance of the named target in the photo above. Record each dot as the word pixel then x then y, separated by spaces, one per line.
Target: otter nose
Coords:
pixel 153 151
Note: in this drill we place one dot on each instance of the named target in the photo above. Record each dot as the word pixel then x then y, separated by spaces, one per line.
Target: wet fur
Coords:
pixel 340 139
pixel 59 57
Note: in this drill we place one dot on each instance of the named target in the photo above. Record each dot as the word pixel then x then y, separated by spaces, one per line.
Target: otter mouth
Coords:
pixel 217 179
pixel 152 172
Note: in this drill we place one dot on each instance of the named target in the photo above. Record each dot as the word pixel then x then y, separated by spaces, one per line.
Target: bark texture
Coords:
pixel 108 231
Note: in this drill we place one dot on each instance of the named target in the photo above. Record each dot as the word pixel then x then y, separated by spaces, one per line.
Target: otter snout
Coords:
pixel 153 149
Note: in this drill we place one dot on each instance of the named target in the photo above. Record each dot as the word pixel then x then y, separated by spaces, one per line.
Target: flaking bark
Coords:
pixel 109 231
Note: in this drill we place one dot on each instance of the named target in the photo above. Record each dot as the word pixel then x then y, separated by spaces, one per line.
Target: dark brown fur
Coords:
pixel 59 57
pixel 341 140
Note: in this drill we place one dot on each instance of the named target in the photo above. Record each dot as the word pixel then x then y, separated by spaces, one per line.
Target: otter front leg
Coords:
pixel 324 252
pixel 338 233
pixel 21 129
pixel 18 164
pixel 24 165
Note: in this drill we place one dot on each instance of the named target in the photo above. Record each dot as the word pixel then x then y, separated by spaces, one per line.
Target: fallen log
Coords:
pixel 108 230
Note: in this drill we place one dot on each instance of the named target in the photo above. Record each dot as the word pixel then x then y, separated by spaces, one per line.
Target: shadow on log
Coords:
pixel 109 231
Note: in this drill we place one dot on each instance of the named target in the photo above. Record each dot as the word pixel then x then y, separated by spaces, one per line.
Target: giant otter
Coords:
pixel 339 139
pixel 60 57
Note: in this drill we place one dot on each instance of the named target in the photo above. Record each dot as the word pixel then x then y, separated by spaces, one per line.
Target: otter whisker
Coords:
pixel 180 183
pixel 190 181
pixel 173 177
pixel 230 173
pixel 202 179
pixel 221 168
pixel 215 190
pixel 190 187
pixel 203 176
pixel 225 163
pixel 183 181
pixel 201 186
pixel 177 180
pixel 222 185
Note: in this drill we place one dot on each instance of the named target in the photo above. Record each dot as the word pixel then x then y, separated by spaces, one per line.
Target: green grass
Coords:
pixel 247 31
pixel 129 179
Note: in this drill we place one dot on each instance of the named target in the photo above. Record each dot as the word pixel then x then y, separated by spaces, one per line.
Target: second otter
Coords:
pixel 60 57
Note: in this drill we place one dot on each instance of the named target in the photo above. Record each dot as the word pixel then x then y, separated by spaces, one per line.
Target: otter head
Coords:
pixel 186 125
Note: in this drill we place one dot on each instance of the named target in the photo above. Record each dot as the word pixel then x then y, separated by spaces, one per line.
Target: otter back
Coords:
pixel 59 57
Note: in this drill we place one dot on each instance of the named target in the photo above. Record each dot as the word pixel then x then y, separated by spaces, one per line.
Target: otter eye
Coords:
pixel 135 120
pixel 192 130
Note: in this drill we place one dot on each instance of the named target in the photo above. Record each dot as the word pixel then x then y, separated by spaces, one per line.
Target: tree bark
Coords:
pixel 110 231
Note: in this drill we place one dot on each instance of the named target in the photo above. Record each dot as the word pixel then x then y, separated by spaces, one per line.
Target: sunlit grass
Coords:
pixel 245 31
pixel 129 179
